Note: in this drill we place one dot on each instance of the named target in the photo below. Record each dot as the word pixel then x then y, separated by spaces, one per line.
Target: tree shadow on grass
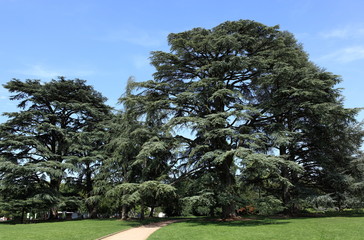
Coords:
pixel 236 223
pixel 130 222
pixel 10 222
pixel 348 214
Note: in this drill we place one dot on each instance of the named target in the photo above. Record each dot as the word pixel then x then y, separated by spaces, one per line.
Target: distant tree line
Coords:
pixel 234 116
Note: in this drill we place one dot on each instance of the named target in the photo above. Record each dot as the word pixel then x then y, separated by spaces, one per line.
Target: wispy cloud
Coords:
pixel 135 36
pixel 346 55
pixel 140 61
pixel 346 32
pixel 42 71
pixel 39 71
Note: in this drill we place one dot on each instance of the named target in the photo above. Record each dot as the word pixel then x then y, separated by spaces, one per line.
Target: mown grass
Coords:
pixel 67 230
pixel 330 228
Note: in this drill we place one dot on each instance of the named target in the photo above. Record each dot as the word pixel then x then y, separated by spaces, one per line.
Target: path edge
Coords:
pixel 112 234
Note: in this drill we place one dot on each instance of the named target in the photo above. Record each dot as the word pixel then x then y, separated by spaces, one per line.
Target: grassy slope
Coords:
pixel 330 228
pixel 68 230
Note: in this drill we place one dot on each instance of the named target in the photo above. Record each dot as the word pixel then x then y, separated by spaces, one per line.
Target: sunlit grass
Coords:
pixel 326 228
pixel 67 230
pixel 329 228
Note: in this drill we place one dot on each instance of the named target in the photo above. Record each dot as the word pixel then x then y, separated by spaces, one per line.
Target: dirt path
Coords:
pixel 138 233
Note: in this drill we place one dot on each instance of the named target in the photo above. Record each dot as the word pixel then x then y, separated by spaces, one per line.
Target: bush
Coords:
pixel 268 205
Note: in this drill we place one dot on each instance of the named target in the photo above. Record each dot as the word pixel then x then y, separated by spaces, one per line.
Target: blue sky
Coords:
pixel 106 41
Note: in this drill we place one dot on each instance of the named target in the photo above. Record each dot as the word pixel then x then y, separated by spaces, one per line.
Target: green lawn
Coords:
pixel 330 228
pixel 67 230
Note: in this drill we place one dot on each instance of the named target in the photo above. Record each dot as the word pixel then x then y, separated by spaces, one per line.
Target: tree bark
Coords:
pixel 55 184
pixel 53 214
pixel 284 172
pixel 228 184
pixel 212 211
pixel 142 209
pixel 228 211
pixel 124 212
pixel 93 212
pixel 151 212
pixel 22 215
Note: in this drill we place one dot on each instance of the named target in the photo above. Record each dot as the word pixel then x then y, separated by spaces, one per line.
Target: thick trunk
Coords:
pixel 142 209
pixel 340 203
pixel 93 212
pixel 212 211
pixel 53 214
pixel 285 189
pixel 224 168
pixel 228 211
pixel 22 215
pixel 151 212
pixel 55 184
pixel 228 184
pixel 124 212
pixel 91 207
pixel 89 182
pixel 285 173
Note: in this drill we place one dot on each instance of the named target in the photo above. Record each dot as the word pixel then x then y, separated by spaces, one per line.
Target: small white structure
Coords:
pixel 161 215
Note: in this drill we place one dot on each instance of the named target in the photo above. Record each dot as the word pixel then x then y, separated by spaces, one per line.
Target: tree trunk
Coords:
pixel 228 211
pixel 228 184
pixel 93 213
pixel 53 213
pixel 124 212
pixel 89 181
pixel 55 184
pixel 92 210
pixel 22 215
pixel 142 209
pixel 151 212
pixel 340 203
pixel 285 194
pixel 212 211
pixel 285 188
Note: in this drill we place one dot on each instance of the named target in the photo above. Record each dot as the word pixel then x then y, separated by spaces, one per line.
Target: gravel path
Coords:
pixel 138 233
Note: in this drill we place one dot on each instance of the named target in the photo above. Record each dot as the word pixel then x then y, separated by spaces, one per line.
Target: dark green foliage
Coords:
pixel 236 115
pixel 150 194
pixel 210 84
pixel 245 96
pixel 41 143
pixel 87 156
pixel 138 157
